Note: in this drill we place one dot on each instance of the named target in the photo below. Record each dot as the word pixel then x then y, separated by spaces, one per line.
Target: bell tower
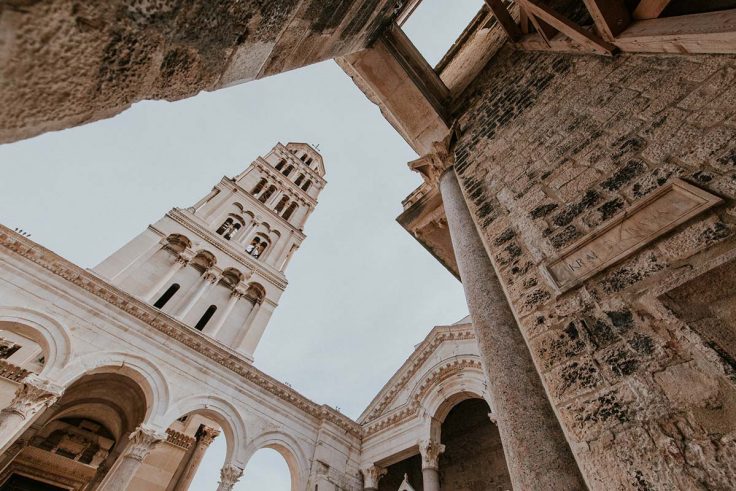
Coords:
pixel 219 265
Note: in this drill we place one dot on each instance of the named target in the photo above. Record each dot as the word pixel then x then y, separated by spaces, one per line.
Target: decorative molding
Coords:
pixel 179 439
pixel 188 336
pixel 229 475
pixel 33 395
pixel 12 372
pixel 142 441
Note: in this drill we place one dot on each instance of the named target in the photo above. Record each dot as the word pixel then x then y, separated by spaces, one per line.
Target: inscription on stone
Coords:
pixel 664 210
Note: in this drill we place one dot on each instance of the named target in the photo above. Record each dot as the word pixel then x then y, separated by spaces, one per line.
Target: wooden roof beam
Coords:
pixel 570 29
pixel 650 9
pixel 504 18
pixel 611 17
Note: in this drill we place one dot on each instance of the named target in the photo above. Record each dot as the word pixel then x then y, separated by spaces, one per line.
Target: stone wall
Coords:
pixel 473 459
pixel 554 145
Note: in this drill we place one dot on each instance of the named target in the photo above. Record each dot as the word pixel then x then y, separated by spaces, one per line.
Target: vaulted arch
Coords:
pixel 290 450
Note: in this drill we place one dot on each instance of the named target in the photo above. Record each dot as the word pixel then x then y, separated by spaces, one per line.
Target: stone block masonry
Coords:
pixel 551 147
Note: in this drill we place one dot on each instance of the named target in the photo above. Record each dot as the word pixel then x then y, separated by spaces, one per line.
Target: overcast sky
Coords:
pixel 362 292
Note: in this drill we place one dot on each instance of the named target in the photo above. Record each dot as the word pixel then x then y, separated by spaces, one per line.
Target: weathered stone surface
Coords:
pixel 645 397
pixel 67 62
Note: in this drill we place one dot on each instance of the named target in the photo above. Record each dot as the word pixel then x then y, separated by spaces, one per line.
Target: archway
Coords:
pixel 267 469
pixel 75 442
pixel 290 452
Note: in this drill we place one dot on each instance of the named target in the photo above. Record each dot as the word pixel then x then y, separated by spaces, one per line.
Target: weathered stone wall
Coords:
pixel 67 62
pixel 473 459
pixel 553 145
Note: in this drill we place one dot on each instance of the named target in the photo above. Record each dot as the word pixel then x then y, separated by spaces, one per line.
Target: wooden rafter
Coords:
pixel 581 36
pixel 504 18
pixel 650 9
pixel 611 17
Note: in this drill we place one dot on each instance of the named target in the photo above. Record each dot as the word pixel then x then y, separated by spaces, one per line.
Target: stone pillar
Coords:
pixel 431 451
pixel 371 476
pixel 34 395
pixel 237 294
pixel 254 330
pixel 537 453
pixel 123 274
pixel 208 279
pixel 205 437
pixel 180 262
pixel 229 475
pixel 140 443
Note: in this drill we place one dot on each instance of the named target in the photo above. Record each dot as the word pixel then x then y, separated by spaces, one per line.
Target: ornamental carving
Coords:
pixel 207 435
pixel 442 157
pixel 229 475
pixel 33 395
pixel 371 476
pixel 430 451
pixel 142 441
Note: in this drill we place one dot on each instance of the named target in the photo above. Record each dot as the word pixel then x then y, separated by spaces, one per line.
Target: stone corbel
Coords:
pixel 430 451
pixel 371 476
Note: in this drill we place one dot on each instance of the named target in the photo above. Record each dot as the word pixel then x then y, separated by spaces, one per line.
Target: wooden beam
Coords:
pixel 504 18
pixel 560 44
pixel 546 31
pixel 650 9
pixel 585 38
pixel 712 32
pixel 523 21
pixel 611 17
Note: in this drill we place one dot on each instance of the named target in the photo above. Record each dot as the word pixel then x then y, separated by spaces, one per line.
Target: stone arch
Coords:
pixel 224 414
pixel 141 370
pixel 204 258
pixel 289 449
pixel 50 334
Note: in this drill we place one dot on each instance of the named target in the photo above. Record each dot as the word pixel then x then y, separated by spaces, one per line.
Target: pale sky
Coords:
pixel 362 292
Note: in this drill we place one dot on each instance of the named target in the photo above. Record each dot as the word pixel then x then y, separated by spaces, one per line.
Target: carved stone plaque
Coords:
pixel 629 231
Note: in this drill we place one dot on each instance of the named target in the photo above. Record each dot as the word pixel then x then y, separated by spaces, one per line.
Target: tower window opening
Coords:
pixel 234 228
pixel 267 194
pixel 306 185
pixel 281 164
pixel 299 179
pixel 225 227
pixel 205 317
pixel 303 157
pixel 309 161
pixel 280 206
pixel 288 170
pixel 290 211
pixel 259 187
pixel 163 299
pixel 256 247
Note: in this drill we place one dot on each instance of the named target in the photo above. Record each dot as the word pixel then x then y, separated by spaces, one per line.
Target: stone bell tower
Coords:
pixel 219 265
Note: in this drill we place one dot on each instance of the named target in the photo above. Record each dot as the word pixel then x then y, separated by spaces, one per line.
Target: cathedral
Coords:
pixel 578 165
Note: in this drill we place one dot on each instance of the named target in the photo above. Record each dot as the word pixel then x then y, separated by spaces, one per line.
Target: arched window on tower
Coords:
pixel 290 211
pixel 225 227
pixel 163 299
pixel 267 194
pixel 281 164
pixel 234 228
pixel 259 187
pixel 257 247
pixel 299 179
pixel 288 170
pixel 282 203
pixel 309 161
pixel 306 185
pixel 303 157
pixel 205 317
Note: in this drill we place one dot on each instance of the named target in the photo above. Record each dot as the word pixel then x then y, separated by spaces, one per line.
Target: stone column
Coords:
pixel 180 262
pixel 431 451
pixel 537 453
pixel 208 279
pixel 34 395
pixel 205 437
pixel 229 475
pixel 140 443
pixel 371 476
pixel 237 294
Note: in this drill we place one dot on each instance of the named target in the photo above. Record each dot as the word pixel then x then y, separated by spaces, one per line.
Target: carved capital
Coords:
pixel 239 291
pixel 207 435
pixel 430 451
pixel 142 441
pixel 442 157
pixel 211 276
pixel 371 476
pixel 33 395
pixel 229 475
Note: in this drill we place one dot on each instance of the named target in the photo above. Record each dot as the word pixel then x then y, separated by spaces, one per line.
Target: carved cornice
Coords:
pixel 12 372
pixel 179 439
pixel 169 326
pixel 412 408
pixel 412 366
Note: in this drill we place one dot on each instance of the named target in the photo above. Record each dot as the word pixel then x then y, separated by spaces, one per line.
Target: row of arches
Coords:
pixel 285 207
pixel 302 181
pixel 107 397
pixel 260 236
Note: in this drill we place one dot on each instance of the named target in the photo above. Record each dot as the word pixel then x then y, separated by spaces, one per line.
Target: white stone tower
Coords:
pixel 219 265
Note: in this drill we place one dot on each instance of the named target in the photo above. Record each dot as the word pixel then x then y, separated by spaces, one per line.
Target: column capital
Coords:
pixel 229 475
pixel 142 441
pixel 434 163
pixel 371 476
pixel 211 276
pixel 207 435
pixel 34 394
pixel 430 451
